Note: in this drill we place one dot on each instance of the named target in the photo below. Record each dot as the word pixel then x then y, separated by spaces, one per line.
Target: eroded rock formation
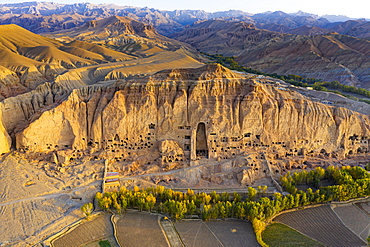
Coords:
pixel 234 112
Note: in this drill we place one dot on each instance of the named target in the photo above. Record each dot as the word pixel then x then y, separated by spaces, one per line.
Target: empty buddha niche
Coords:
pixel 201 141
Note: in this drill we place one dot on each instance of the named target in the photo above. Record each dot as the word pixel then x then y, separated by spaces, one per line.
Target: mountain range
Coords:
pixel 273 42
pixel 42 17
pixel 330 56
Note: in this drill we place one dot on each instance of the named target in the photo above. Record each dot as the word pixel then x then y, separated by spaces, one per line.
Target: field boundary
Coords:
pixel 360 199
pixel 317 223
pixel 297 209
pixel 336 203
pixel 112 219
pixel 332 209
pixel 169 230
pixel 209 229
pixel 163 231
pixel 49 241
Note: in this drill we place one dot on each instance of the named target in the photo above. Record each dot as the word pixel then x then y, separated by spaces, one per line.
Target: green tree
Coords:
pixel 151 200
pixel 237 197
pixel 240 211
pixel 206 210
pixel 367 167
pixel 258 227
pixel 252 193
pixel 215 197
pixel 123 202
pixel 117 207
pixel 87 209
pixel 191 207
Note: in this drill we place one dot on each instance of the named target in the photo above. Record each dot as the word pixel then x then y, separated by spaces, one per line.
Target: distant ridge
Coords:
pixel 43 17
pixel 324 54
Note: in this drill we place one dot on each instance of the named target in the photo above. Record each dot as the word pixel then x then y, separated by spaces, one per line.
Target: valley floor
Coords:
pixel 39 198
pixel 143 229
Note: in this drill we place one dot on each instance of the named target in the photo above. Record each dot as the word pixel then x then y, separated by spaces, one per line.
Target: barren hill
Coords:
pixel 355 28
pixel 111 27
pixel 328 57
pixel 120 33
pixel 31 59
pixel 309 31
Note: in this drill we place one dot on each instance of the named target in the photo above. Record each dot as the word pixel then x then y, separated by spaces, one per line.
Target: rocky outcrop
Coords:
pixel 234 112
pixel 10 84
pixel 5 140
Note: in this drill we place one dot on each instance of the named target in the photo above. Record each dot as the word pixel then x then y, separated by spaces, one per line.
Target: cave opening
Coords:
pixel 201 141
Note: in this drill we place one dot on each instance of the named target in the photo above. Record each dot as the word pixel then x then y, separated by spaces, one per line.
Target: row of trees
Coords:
pixel 345 88
pixel 347 182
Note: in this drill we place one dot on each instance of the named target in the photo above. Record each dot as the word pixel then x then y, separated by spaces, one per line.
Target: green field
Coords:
pixel 104 243
pixel 278 234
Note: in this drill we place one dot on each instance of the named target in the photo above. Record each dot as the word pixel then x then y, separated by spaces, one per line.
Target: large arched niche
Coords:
pixel 201 141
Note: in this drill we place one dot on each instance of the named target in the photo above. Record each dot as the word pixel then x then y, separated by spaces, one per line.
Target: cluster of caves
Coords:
pixel 196 143
pixel 225 147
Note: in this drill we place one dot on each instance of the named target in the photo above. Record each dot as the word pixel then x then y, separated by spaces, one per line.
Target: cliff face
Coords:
pixel 37 73
pixel 234 112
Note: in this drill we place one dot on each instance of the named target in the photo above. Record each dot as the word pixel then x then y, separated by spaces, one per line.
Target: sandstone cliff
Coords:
pixel 19 111
pixel 38 73
pixel 210 112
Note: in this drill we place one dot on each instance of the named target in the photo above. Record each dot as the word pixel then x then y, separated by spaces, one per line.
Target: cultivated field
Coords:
pixel 365 206
pixel 277 234
pixel 355 219
pixel 90 231
pixel 140 229
pixel 322 224
pixel 112 241
pixel 234 232
pixel 216 233
pixel 196 233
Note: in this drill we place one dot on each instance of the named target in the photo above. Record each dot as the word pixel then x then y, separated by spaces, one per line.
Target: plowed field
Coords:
pixel 140 229
pixel 322 224
pixel 216 233
pixel 355 219
pixel 98 228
